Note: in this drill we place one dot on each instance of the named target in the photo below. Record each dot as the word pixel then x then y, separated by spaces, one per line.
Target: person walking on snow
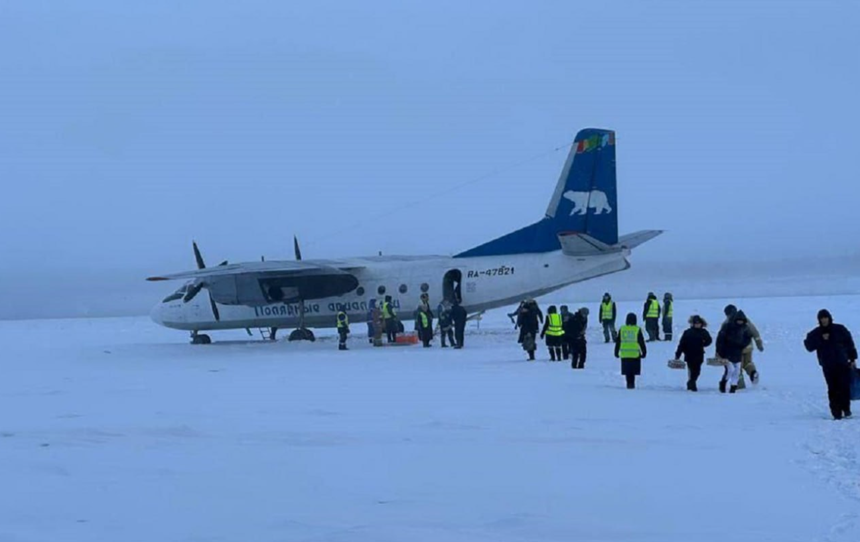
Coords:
pixel 458 317
pixel 528 321
pixel 607 318
pixel 837 357
pixel 692 345
pixel 578 344
pixel 668 313
pixel 446 325
pixel 554 333
pixel 747 364
pixel 733 337
pixel 651 315
pixel 566 337
pixel 630 348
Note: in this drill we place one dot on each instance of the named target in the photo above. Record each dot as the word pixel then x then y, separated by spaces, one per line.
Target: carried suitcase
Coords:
pixel 717 362
pixel 855 384
pixel 529 342
pixel 406 338
pixel 676 364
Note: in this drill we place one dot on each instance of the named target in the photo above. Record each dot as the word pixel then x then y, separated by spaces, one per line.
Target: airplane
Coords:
pixel 576 240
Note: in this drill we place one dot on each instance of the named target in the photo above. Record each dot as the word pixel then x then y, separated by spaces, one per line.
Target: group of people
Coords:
pixel 651 313
pixel 562 330
pixel 565 337
pixel 382 319
pixel 735 342
pixel 564 333
pixel 451 323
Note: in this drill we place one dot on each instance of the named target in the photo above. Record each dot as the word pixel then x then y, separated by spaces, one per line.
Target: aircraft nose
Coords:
pixel 156 315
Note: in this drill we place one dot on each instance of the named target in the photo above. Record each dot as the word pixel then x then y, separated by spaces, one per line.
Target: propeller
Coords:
pixel 297 249
pixel 197 286
pixel 192 292
pixel 197 256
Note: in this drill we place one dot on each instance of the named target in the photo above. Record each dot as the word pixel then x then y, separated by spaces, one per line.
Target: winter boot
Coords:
pixel 668 337
pixel 754 377
pixel 733 389
pixel 846 413
pixel 531 355
pixel 723 386
pixel 689 385
pixel 631 382
pixel 552 354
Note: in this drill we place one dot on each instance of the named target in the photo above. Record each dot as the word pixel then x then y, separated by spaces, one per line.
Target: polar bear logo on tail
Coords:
pixel 582 201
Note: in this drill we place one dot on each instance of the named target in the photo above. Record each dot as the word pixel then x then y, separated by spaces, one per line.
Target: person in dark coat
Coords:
pixel 528 321
pixel 576 333
pixel 446 324
pixel 371 307
pixel 837 357
pixel 692 345
pixel 607 318
pixel 651 316
pixel 733 338
pixel 458 317
pixel 566 315
pixel 630 348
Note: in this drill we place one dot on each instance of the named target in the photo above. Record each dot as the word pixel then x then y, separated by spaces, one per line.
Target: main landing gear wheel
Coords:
pixel 302 334
pixel 200 338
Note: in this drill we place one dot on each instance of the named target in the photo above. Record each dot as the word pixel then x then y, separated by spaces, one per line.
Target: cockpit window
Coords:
pixel 178 294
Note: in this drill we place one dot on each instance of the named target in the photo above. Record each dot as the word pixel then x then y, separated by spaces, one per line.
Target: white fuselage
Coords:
pixel 487 283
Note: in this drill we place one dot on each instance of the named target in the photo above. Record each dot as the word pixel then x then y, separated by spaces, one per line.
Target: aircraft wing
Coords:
pixel 272 268
pixel 262 283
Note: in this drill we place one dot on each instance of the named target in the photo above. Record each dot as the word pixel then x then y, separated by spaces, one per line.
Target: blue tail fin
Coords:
pixel 585 201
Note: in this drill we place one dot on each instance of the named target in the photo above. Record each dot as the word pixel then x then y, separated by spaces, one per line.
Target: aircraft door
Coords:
pixel 452 286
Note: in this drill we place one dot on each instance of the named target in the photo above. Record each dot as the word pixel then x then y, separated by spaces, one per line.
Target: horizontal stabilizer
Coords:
pixel 633 240
pixel 580 244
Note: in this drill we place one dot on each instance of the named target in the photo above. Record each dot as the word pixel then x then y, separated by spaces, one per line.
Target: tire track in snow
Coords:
pixel 831 448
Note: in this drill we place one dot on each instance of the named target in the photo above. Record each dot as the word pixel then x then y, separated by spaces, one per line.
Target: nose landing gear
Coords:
pixel 200 338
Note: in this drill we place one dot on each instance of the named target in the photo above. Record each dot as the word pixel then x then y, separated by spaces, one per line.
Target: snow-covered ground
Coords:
pixel 116 429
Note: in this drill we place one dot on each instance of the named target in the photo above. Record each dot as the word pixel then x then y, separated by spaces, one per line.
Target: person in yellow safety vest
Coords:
pixel 342 330
pixel 630 348
pixel 389 319
pixel 651 315
pixel 424 324
pixel 553 331
pixel 607 318
pixel 668 313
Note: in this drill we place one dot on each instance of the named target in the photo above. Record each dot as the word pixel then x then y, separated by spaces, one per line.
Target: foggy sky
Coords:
pixel 129 129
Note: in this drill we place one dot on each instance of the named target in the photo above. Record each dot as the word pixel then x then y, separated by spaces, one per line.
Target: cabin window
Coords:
pixel 359 291
pixel 403 288
pixel 425 287
pixel 381 290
